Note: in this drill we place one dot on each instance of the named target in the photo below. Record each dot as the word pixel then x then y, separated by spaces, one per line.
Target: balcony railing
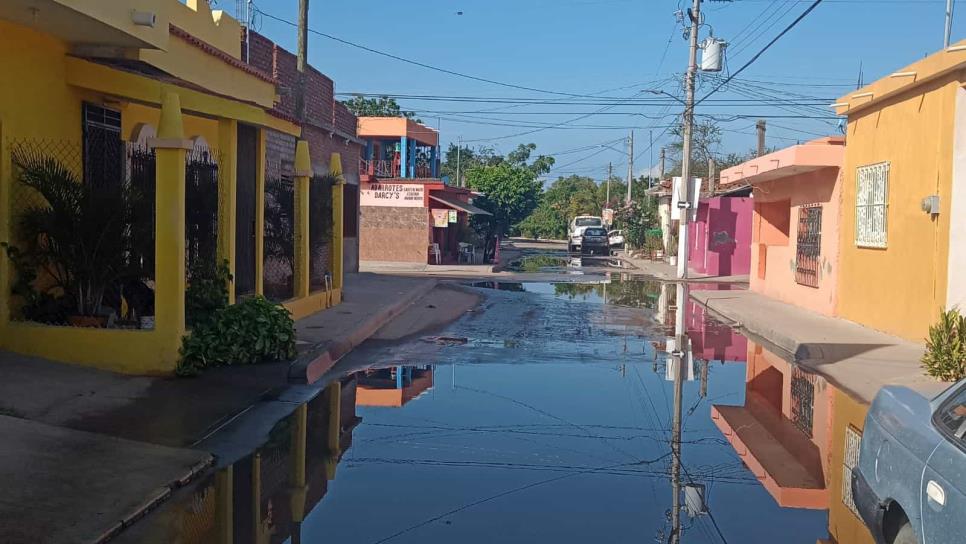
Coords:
pixel 390 169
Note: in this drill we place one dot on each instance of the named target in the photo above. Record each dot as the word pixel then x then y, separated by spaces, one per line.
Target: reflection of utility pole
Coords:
pixel 680 358
pixel 704 379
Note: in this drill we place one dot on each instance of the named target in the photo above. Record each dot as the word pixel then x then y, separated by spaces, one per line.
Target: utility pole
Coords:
pixel 680 357
pixel 610 174
pixel 459 150
pixel 688 128
pixel 661 177
pixel 761 126
pixel 650 157
pixel 949 23
pixel 303 51
pixel 712 186
pixel 630 167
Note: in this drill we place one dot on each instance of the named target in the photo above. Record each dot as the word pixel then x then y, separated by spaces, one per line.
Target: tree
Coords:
pixel 509 192
pixel 383 106
pixel 705 139
pixel 521 155
pixel 467 158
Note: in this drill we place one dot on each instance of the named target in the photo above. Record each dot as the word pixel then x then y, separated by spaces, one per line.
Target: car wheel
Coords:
pixel 905 535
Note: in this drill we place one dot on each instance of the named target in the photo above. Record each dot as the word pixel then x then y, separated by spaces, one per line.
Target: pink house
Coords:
pixel 795 224
pixel 720 237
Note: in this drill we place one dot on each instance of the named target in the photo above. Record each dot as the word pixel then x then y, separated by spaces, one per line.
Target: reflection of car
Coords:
pixel 594 240
pixel 576 231
pixel 616 238
pixel 910 482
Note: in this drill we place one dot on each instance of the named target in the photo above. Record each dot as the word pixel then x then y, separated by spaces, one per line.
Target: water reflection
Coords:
pixel 656 425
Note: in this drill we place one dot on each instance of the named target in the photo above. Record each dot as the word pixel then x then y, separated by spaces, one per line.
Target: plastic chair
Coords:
pixel 468 252
pixel 434 252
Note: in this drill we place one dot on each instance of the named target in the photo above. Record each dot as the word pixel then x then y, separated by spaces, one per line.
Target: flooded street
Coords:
pixel 543 415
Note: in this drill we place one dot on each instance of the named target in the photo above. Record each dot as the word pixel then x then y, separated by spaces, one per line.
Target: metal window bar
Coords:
pixel 279 260
pixel 853 441
pixel 320 230
pixel 803 401
pixel 808 248
pixel 871 205
pixel 201 210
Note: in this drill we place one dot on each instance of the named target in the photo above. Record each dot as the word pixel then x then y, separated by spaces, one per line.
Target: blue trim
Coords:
pixel 399 377
pixel 403 158
pixel 412 158
pixel 369 149
pixel 433 154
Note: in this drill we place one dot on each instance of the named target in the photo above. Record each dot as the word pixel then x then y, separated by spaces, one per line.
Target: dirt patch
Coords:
pixel 443 305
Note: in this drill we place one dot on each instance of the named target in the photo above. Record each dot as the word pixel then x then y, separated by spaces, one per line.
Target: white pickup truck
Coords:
pixel 577 227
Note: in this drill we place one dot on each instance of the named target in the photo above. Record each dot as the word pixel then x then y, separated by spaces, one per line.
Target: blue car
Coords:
pixel 910 482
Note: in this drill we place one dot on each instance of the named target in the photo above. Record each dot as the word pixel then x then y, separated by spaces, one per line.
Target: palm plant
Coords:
pixel 79 236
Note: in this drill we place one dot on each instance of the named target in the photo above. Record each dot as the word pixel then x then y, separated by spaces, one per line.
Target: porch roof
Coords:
pixel 396 127
pixel 794 160
pixel 459 205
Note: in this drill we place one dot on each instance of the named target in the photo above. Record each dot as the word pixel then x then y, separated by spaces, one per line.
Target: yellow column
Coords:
pixel 303 173
pixel 224 505
pixel 260 215
pixel 227 187
pixel 257 498
pixel 299 488
pixel 333 445
pixel 170 147
pixel 335 168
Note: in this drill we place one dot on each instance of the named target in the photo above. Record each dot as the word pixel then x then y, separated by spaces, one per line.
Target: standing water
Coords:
pixel 544 416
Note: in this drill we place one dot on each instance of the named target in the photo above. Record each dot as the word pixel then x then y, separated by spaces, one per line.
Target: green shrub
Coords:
pixel 207 292
pixel 945 356
pixel 252 331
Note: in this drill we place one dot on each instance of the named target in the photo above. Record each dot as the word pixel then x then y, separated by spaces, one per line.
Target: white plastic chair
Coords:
pixel 434 252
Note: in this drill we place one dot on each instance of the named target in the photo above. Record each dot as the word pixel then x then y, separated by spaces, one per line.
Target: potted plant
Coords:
pixel 78 237
pixel 672 249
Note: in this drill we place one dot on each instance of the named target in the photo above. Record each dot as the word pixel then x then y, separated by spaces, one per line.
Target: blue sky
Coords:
pixel 589 46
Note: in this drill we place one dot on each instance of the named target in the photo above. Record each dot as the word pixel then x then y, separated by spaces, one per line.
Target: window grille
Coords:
pixel 872 205
pixel 808 250
pixel 853 439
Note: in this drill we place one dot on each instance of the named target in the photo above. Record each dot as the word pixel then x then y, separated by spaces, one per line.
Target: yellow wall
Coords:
pixel 900 289
pixel 844 526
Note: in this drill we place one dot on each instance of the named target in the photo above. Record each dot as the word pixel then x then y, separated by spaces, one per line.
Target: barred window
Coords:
pixel 853 441
pixel 872 205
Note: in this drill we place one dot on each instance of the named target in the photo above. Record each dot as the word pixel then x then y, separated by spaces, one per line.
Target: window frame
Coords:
pixel 941 427
pixel 869 242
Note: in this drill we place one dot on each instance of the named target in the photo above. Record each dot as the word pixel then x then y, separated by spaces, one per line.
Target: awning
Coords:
pixel 462 206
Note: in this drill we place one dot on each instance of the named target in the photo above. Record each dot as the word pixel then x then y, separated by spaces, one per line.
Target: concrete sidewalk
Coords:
pixel 855 359
pixel 665 272
pixel 65 486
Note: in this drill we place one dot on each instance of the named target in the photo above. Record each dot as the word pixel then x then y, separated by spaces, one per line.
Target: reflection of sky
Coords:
pixel 543 449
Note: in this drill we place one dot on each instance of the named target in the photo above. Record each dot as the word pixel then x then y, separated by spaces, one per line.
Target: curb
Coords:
pixel 311 364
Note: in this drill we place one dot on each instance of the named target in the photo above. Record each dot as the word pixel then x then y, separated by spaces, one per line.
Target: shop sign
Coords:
pixel 405 195
pixel 452 216
pixel 440 218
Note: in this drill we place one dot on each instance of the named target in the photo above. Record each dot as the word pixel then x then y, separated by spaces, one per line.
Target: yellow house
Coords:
pixel 903 230
pixel 156 94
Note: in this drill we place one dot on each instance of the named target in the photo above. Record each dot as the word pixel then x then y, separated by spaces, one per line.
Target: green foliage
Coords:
pixel 36 305
pixel 653 243
pixel 383 106
pixel 80 236
pixel 636 220
pixel 207 292
pixel 252 331
pixel 467 158
pixel 945 356
pixel 510 194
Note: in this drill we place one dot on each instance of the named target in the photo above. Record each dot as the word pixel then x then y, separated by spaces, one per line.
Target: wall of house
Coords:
pixel 778 259
pixel 391 234
pixel 956 293
pixel 721 237
pixel 913 131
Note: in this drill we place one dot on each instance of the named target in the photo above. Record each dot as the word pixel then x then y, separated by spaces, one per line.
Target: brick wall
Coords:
pixel 279 154
pixel 261 52
pixel 343 119
pixel 393 234
pixel 319 99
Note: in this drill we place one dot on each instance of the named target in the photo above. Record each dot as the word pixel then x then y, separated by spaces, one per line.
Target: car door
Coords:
pixel 944 479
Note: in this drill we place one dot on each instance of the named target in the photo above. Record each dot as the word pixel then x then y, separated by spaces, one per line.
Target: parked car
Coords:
pixel 576 230
pixel 616 238
pixel 910 482
pixel 594 240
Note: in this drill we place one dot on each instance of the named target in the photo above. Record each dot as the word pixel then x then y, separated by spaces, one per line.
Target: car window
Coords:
pixel 952 416
pixel 595 232
pixel 587 222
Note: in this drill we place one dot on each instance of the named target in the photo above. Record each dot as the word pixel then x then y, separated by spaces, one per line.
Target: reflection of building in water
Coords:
pixel 264 497
pixel 783 431
pixel 712 340
pixel 393 386
pixel 799 436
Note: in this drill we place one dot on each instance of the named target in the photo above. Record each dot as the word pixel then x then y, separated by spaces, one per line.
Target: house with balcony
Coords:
pixel 409 216
pixel 180 125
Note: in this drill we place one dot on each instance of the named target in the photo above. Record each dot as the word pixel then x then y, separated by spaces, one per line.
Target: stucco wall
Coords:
pixel 721 237
pixel 390 234
pixel 818 187
pixel 956 295
pixel 843 525
pixel 900 289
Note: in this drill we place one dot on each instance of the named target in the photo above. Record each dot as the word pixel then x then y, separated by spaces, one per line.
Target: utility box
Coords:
pixel 712 54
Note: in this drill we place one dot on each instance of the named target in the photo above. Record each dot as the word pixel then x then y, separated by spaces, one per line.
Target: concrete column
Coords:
pixel 433 157
pixel 303 175
pixel 404 157
pixel 299 488
pixel 256 520
pixel 227 189
pixel 412 158
pixel 260 214
pixel 338 240
pixel 170 147
pixel 334 396
pixel 224 505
